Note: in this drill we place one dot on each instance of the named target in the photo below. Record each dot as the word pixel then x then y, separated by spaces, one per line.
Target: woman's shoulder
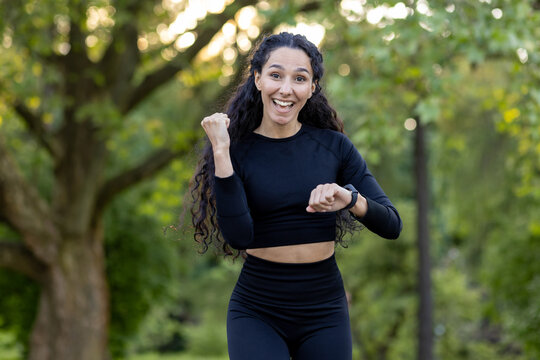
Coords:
pixel 328 137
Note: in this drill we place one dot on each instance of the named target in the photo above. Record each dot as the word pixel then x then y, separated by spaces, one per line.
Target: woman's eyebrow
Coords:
pixel 299 69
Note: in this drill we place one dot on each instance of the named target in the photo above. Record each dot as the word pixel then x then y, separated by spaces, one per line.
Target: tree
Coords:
pixel 76 71
pixel 80 70
pixel 406 52
pixel 87 72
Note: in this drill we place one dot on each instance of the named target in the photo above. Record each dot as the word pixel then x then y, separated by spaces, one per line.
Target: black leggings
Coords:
pixel 280 311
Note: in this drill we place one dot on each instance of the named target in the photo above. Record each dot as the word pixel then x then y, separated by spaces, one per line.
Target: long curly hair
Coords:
pixel 245 111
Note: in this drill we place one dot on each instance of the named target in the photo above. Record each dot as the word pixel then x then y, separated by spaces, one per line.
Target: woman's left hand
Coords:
pixel 328 197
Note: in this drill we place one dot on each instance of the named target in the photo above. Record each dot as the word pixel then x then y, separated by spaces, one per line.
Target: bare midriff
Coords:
pixel 302 253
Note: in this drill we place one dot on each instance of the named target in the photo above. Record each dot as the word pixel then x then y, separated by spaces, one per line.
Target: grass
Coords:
pixel 8 351
pixel 179 356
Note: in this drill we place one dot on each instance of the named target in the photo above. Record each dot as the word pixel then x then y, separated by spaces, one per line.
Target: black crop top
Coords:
pixel 264 202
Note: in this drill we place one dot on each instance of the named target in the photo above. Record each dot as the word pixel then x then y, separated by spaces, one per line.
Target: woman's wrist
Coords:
pixel 220 150
pixel 360 208
pixel 222 163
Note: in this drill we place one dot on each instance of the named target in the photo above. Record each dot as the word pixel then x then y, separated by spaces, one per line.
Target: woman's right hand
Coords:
pixel 216 126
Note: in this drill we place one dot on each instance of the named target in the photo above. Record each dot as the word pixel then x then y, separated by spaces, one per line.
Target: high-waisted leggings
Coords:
pixel 282 311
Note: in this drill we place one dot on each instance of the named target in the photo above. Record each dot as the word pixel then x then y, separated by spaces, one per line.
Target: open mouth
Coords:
pixel 283 104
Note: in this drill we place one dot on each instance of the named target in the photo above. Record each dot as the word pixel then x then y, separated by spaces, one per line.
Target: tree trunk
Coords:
pixel 425 311
pixel 73 314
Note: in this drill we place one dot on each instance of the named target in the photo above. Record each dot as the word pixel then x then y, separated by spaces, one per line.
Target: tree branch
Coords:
pixel 122 56
pixel 15 256
pixel 130 11
pixel 77 16
pixel 146 169
pixel 161 158
pixel 25 210
pixel 36 128
pixel 166 73
pixel 121 63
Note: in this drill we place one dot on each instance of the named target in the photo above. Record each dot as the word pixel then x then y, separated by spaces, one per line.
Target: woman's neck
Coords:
pixel 278 131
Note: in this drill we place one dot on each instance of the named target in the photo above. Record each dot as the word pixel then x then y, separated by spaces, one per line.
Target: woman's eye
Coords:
pixel 300 78
pixel 275 75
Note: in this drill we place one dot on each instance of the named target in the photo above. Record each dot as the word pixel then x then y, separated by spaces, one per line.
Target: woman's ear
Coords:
pixel 257 80
pixel 313 87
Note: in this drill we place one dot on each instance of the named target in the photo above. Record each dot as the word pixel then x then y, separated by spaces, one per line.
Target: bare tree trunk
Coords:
pixel 425 311
pixel 73 312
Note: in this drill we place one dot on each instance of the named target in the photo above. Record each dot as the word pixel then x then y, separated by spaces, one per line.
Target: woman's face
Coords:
pixel 285 83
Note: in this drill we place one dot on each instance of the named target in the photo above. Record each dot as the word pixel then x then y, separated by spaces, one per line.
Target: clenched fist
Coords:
pixel 216 126
pixel 332 197
pixel 328 197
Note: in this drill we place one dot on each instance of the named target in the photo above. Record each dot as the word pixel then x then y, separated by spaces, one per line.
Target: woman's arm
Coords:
pixel 372 208
pixel 234 218
pixel 380 215
pixel 215 127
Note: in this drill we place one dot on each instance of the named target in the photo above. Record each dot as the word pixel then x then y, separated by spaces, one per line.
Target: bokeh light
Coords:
pixel 410 124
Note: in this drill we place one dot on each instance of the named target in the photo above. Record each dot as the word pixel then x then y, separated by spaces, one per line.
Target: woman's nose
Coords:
pixel 285 87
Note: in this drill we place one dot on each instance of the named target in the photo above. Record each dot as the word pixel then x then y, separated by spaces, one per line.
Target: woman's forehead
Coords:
pixel 285 58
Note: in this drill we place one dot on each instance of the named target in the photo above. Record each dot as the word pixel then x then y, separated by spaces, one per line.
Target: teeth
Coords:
pixel 283 103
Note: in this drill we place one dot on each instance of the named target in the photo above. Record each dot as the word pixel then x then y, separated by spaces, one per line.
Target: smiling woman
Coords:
pixel 277 179
pixel 285 84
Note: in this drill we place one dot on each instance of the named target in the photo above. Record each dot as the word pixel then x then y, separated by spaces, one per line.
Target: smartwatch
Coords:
pixel 354 194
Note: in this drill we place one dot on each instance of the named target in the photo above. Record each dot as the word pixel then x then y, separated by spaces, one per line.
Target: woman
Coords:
pixel 274 178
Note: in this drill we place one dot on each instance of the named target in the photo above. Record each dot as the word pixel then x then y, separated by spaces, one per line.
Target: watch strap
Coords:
pixel 354 196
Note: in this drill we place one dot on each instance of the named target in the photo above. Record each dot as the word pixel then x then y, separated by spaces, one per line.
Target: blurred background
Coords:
pixel 100 105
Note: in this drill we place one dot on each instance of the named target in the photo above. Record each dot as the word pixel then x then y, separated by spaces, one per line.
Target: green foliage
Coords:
pixel 34 162
pixel 102 113
pixel 142 270
pixel 208 338
pixel 379 276
pixel 429 109
pixel 476 182
pixel 456 67
pixel 8 347
pixel 513 275
pixel 18 305
pixel 212 281
pixel 195 321
pixel 421 66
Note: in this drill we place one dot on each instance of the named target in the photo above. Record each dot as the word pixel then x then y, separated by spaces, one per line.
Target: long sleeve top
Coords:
pixel 264 202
